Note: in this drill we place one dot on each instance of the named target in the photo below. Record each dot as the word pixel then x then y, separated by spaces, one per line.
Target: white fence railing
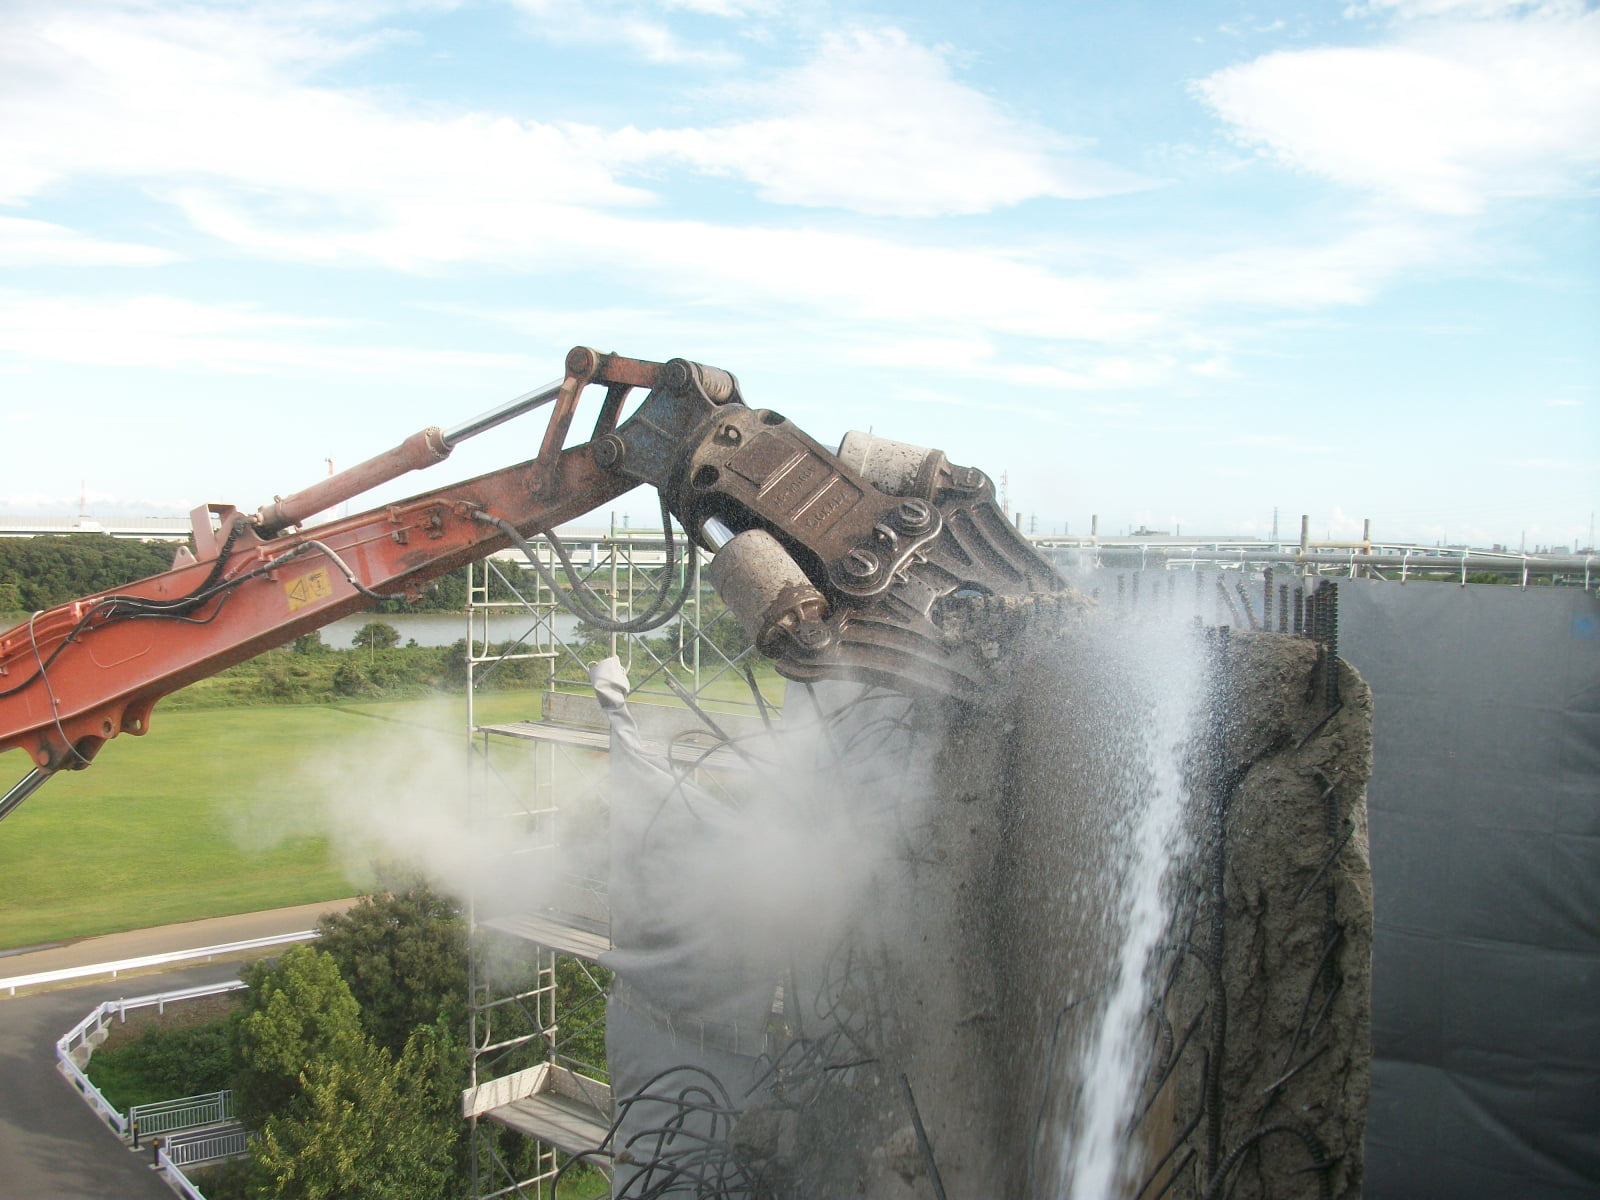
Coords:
pixel 189 1149
pixel 113 969
pixel 98 1104
pixel 176 1179
pixel 189 1112
pixel 186 1149
pixel 75 1046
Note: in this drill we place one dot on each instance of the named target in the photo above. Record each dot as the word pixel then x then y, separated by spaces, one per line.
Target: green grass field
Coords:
pixel 182 823
pixel 149 834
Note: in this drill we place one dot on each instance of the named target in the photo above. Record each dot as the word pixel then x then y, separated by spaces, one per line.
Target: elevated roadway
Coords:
pixel 51 1144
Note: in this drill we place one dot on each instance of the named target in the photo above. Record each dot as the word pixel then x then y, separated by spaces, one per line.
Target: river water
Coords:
pixel 441 629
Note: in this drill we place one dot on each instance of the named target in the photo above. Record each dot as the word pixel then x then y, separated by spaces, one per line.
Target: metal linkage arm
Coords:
pixel 76 675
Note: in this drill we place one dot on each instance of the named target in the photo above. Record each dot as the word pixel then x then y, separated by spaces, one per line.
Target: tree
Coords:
pixel 404 955
pixel 723 632
pixel 336 1113
pixel 297 1010
pixel 310 643
pixel 363 1125
pixel 165 1061
pixel 51 570
pixel 352 678
pixel 375 635
pixel 580 998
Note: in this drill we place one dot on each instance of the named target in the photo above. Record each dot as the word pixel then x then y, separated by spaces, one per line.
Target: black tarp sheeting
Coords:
pixel 1484 812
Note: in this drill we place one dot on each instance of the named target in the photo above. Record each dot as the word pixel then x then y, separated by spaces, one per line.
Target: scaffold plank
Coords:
pixel 701 754
pixel 549 1103
pixel 561 932
pixel 558 1121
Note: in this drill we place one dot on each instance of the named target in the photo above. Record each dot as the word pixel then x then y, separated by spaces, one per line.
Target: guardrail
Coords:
pixel 154 960
pixel 82 1038
pixel 187 1112
pixel 186 1149
pixel 98 1104
pixel 1318 559
pixel 177 1150
pixel 191 1148
pixel 176 1179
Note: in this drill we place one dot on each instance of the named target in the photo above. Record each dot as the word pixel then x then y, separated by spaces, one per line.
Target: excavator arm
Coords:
pixel 880 562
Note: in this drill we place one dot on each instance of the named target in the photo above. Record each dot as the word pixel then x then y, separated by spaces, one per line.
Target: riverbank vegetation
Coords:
pixel 346 1058
pixel 41 572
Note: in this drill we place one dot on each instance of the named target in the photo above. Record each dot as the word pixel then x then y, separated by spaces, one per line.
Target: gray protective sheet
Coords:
pixel 1485 833
pixel 688 1010
pixel 725 891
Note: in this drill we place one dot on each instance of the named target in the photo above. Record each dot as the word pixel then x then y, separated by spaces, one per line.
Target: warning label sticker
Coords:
pixel 308 589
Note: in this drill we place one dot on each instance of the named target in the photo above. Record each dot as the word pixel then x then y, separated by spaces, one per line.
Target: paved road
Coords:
pixel 51 1145
pixel 162 939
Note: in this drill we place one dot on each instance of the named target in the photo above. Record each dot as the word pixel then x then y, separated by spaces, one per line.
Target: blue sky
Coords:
pixel 1172 264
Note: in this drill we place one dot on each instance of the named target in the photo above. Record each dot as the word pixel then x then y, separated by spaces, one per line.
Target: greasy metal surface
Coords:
pixel 766 589
pixel 898 468
pixel 420 450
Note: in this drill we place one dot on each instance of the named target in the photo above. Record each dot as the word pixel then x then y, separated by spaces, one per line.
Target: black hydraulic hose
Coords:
pixel 585 604
pixel 111 609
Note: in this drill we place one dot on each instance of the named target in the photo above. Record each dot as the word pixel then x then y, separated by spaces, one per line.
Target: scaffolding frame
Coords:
pixel 525 778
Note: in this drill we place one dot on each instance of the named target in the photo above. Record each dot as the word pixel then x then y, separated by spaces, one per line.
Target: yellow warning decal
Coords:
pixel 308 589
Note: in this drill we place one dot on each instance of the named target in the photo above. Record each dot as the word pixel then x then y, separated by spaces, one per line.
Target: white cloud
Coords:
pixel 216 114
pixel 1413 10
pixel 1345 268
pixel 876 123
pixel 217 100
pixel 628 27
pixel 979 360
pixel 862 299
pixel 1445 116
pixel 182 335
pixel 725 8
pixel 222 101
pixel 27 243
